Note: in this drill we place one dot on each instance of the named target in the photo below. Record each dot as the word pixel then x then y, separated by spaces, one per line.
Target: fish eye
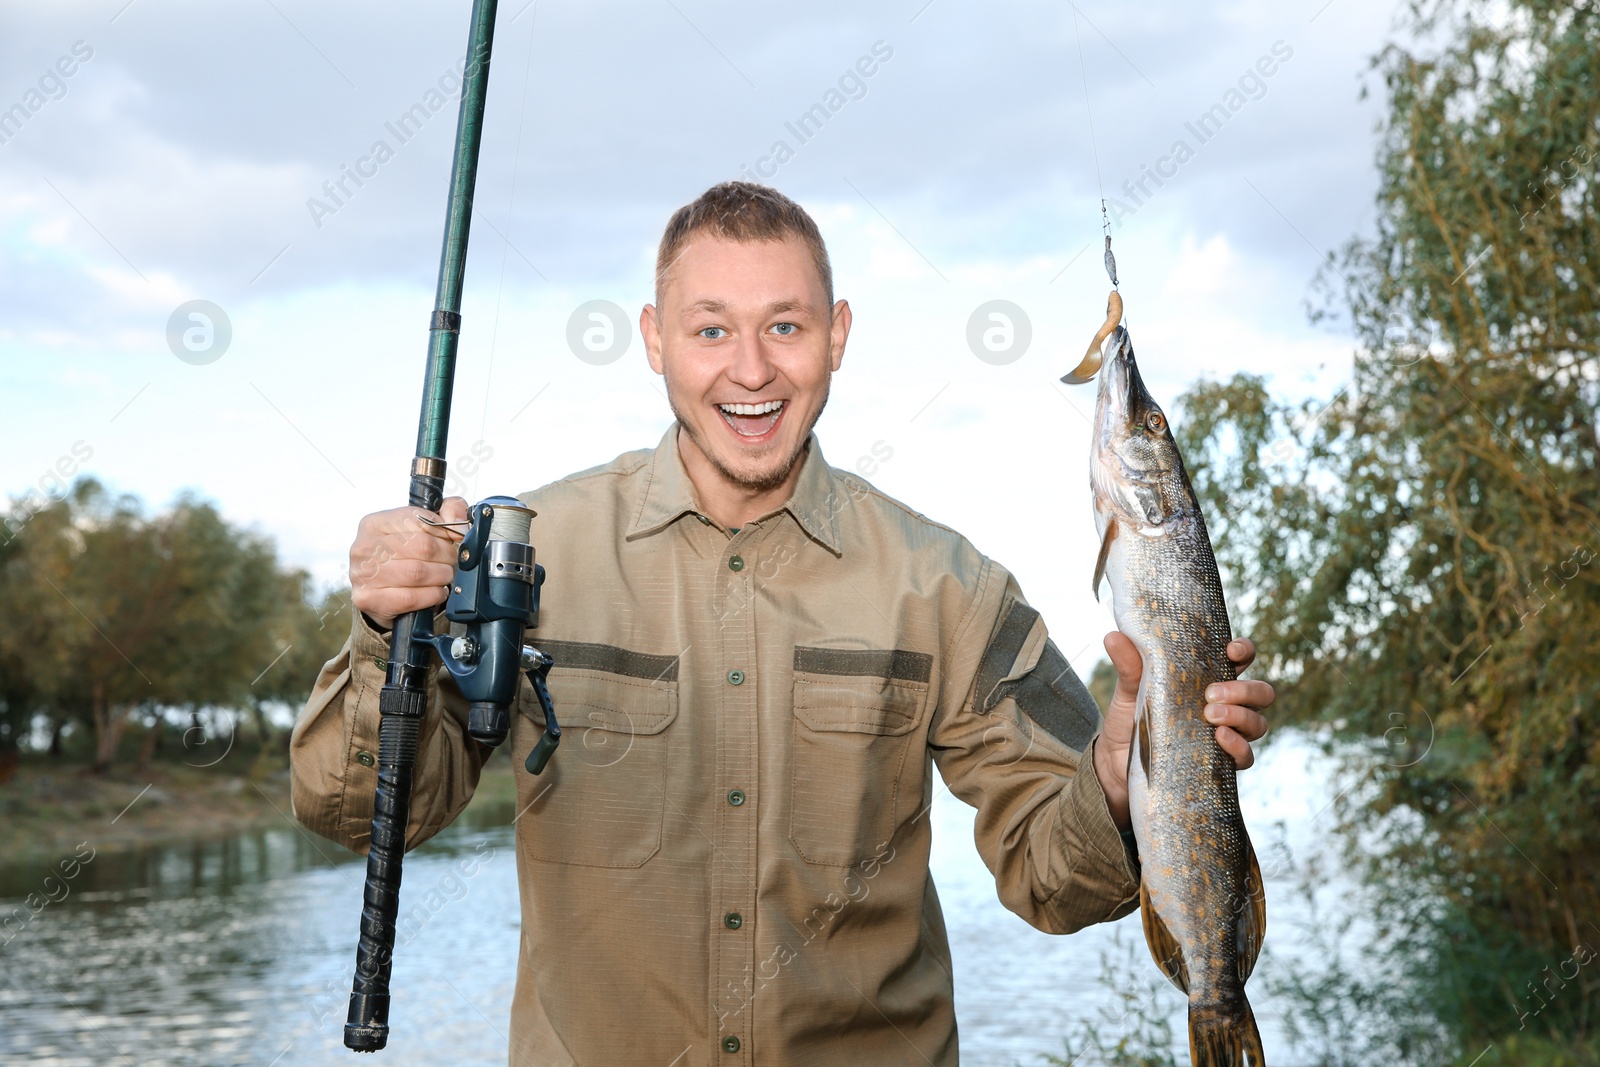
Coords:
pixel 1156 421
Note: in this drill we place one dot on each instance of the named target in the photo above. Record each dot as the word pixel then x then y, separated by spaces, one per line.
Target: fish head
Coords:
pixel 1136 472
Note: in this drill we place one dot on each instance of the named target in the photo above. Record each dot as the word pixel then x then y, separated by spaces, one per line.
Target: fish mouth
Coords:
pixel 1121 387
pixel 1119 410
pixel 1136 473
pixel 1110 422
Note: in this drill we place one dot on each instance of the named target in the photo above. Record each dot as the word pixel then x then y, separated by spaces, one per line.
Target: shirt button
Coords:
pixel 736 798
pixel 703 520
pixel 733 920
pixel 730 1044
pixel 736 677
pixel 736 563
pixel 365 759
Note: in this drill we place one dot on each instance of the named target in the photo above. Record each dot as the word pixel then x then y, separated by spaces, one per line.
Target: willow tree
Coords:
pixel 1421 552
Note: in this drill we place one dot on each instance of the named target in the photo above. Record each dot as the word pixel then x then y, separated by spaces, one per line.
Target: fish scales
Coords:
pixel 1204 912
pixel 1190 829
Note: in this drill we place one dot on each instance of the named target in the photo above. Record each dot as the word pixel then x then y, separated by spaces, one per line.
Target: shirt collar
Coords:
pixel 669 494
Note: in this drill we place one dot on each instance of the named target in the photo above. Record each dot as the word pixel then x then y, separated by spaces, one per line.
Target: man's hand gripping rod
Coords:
pixel 495 592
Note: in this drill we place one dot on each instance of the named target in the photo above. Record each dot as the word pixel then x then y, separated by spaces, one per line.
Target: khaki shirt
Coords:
pixel 726 861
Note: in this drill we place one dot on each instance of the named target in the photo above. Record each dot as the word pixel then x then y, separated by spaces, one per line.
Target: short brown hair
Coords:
pixel 742 211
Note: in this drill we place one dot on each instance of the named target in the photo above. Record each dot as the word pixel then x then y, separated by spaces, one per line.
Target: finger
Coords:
pixel 1235 746
pixel 454 509
pixel 411 544
pixel 441 547
pixel 1124 656
pixel 391 603
pixel 1242 651
pixel 413 574
pixel 1250 693
pixel 1247 722
pixel 406 523
pixel 424 540
pixel 370 556
pixel 430 522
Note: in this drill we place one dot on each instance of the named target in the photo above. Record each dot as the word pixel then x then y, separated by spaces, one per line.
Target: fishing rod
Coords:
pixel 494 595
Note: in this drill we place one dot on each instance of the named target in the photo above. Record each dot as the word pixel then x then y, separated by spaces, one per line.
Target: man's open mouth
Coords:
pixel 752 420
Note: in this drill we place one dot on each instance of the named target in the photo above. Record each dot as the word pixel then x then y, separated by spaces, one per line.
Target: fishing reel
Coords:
pixel 495 593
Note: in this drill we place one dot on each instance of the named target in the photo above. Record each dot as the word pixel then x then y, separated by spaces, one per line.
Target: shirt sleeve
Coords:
pixel 333 750
pixel 1013 736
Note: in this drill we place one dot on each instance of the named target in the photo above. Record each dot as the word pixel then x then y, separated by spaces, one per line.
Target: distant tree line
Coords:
pixel 111 617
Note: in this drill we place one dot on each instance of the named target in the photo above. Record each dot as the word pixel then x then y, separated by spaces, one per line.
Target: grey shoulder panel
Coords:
pixel 1002 653
pixel 1052 696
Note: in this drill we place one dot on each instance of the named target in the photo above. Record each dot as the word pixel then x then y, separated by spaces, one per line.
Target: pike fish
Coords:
pixel 1201 893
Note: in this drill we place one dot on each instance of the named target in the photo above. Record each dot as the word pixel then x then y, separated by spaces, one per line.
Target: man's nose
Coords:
pixel 751 369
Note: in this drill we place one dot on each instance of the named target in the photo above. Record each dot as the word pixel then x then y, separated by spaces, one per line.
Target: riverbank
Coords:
pixel 50 806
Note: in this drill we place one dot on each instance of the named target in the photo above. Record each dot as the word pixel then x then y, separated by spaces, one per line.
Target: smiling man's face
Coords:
pixel 747 343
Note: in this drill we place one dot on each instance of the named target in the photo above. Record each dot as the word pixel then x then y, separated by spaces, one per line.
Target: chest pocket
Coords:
pixel 600 801
pixel 856 718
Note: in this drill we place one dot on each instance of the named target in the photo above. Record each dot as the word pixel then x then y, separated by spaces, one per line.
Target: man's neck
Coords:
pixel 726 501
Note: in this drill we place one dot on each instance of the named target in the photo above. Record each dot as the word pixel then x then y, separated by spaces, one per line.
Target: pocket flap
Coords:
pixel 858 705
pixel 601 700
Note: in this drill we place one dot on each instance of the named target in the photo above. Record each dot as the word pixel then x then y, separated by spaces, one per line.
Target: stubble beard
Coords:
pixel 756 483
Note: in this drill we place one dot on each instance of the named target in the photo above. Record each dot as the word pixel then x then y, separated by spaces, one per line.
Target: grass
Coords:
pixel 51 804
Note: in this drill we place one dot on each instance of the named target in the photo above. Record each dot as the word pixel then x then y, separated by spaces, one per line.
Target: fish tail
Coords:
pixel 1218 1038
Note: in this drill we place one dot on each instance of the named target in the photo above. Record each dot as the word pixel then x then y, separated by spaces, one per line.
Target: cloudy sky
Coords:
pixel 161 151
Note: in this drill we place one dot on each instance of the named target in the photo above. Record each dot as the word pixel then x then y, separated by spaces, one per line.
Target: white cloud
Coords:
pixel 195 162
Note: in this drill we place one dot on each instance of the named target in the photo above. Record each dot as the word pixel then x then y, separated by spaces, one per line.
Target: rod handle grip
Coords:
pixel 367 1024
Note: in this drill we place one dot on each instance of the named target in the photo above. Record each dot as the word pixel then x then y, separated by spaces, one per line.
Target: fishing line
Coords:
pixel 1084 74
pixel 505 251
pixel 1105 218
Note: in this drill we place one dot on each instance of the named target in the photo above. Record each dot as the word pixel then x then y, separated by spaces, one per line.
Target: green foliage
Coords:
pixel 1522 1051
pixel 109 615
pixel 1420 554
pixel 1341 1006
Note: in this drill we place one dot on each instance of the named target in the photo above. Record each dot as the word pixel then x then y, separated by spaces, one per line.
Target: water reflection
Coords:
pixel 239 951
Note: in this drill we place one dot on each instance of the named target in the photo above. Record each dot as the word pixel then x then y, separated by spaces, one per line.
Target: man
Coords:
pixel 759 660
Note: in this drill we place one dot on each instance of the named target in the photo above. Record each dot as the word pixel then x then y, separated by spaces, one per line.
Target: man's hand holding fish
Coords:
pixel 1235 707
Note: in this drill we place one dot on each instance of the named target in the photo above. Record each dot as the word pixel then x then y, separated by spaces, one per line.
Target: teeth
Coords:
pixel 752 409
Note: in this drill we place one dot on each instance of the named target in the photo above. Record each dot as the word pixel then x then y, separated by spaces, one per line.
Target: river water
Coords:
pixel 238 951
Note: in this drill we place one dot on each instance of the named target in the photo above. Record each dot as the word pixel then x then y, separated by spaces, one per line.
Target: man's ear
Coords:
pixel 650 330
pixel 838 332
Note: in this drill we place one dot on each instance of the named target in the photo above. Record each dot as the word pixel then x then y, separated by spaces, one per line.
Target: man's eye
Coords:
pixel 713 333
pixel 785 329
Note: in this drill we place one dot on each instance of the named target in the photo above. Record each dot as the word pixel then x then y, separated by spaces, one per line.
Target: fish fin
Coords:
pixel 1141 726
pixel 1164 948
pixel 1252 927
pixel 1105 554
pixel 1215 1040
